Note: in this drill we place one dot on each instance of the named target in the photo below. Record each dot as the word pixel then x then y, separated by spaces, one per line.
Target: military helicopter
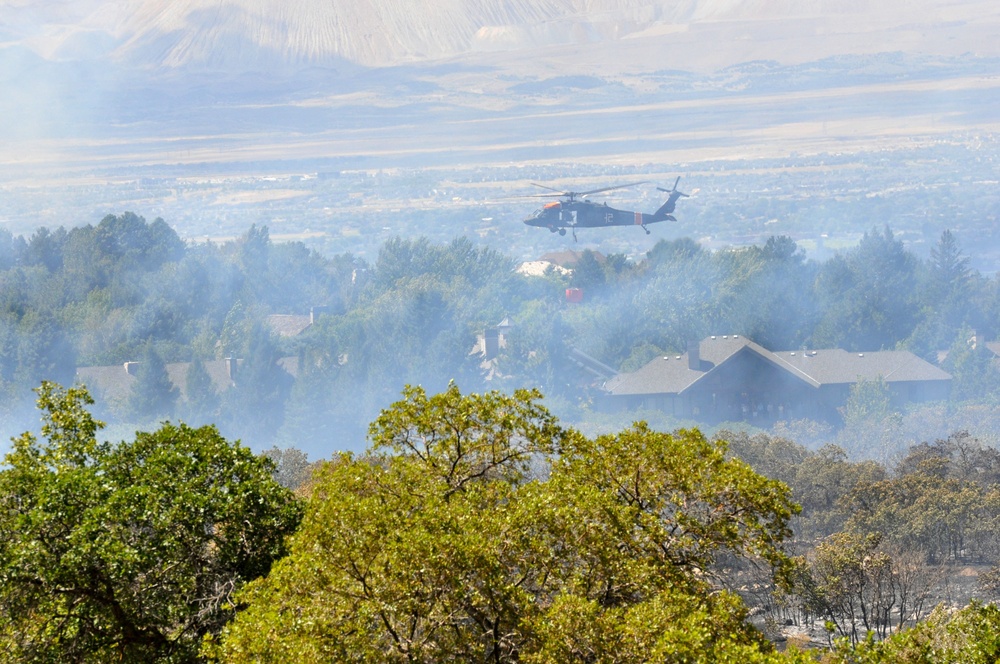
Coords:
pixel 574 211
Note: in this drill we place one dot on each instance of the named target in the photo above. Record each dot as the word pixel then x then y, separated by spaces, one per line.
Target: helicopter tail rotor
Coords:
pixel 671 204
pixel 674 189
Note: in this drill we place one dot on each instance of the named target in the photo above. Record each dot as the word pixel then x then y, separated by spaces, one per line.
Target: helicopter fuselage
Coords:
pixel 560 215
pixel 573 211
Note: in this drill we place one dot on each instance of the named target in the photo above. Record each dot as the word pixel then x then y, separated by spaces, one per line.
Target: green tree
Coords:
pixel 153 395
pixel 871 422
pixel 292 468
pixel 949 269
pixel 44 351
pixel 853 584
pixel 930 506
pixel 967 636
pixel 870 401
pixel 201 401
pixel 454 540
pixel 45 248
pixel 588 273
pixel 128 552
pixel 974 375
pixel 867 295
pixel 255 404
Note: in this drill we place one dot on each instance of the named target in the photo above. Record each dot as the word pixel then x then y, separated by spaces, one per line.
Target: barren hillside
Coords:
pixel 269 34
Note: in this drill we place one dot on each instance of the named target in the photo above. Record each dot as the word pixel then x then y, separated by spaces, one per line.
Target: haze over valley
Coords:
pixel 343 124
pixel 284 377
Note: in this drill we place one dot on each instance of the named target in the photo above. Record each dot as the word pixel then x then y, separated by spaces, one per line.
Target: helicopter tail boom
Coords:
pixel 663 214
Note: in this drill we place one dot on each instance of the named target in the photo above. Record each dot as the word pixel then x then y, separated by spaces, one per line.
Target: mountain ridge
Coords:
pixel 241 35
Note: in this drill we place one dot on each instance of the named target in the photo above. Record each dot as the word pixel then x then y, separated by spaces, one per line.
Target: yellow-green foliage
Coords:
pixel 479 530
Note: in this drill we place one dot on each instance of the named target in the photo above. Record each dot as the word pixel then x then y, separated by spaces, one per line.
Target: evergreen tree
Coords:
pixel 588 273
pixel 868 295
pixel 949 268
pixel 44 351
pixel 201 402
pixel 256 403
pixel 970 362
pixel 153 395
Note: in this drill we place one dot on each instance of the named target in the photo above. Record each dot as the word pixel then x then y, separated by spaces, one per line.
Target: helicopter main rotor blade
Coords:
pixel 573 194
pixel 558 191
pixel 597 191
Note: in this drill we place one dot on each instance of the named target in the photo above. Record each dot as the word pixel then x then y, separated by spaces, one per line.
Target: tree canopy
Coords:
pixel 133 551
pixel 479 529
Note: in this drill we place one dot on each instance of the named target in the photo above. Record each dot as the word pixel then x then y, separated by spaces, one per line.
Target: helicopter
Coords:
pixel 574 211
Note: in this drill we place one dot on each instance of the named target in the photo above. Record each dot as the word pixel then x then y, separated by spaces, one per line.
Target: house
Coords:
pixel 113 383
pixel 568 258
pixel 292 325
pixel 731 378
pixel 560 262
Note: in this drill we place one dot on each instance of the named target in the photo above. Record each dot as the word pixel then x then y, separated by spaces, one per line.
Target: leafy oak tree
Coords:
pixel 477 529
pixel 128 552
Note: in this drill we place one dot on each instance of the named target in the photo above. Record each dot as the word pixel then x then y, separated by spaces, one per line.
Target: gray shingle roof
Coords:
pixel 670 374
pixel 288 325
pixel 840 366
pixel 114 382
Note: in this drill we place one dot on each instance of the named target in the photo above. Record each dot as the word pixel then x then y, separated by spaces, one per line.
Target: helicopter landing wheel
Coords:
pixel 562 231
pixel 645 229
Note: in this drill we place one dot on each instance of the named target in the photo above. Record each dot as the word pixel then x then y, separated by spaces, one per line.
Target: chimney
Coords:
pixel 316 311
pixel 694 355
pixel 491 342
pixel 131 368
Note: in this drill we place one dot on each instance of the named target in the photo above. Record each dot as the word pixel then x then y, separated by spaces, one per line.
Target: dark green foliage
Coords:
pixel 43 350
pixel 949 269
pixel 588 273
pixel 128 552
pixel 666 251
pixel 254 407
pixel 8 250
pixel 201 402
pixel 128 237
pixel 153 396
pixel 96 295
pixel 868 295
pixel 45 248
pixel 975 376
